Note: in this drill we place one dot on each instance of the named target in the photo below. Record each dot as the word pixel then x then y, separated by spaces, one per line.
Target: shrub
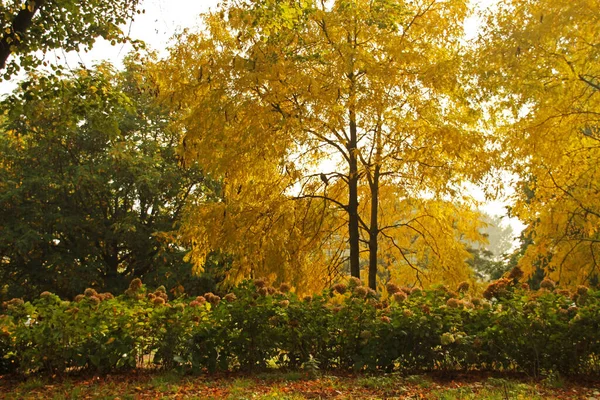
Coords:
pixel 348 328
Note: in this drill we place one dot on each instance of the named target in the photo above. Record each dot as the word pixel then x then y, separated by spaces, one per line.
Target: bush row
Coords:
pixel 347 327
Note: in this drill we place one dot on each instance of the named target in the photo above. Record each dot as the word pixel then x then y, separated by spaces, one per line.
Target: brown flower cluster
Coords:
pixel 463 287
pixel 284 288
pixel 400 296
pixel 339 288
pixel 199 301
pixel 497 289
pixel 212 298
pixel 547 284
pixel 230 297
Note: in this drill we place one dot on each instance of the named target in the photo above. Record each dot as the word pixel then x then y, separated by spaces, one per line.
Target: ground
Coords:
pixel 295 385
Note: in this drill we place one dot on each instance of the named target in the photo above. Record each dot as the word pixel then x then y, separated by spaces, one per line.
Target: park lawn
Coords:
pixel 292 385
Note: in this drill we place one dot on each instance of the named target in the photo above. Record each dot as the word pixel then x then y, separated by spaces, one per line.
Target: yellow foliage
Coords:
pixel 289 102
pixel 542 68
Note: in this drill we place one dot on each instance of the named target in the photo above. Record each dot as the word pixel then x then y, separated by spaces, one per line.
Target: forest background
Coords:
pixel 299 141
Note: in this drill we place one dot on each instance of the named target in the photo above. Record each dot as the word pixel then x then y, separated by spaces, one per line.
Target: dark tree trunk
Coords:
pixel 19 27
pixel 353 198
pixel 374 229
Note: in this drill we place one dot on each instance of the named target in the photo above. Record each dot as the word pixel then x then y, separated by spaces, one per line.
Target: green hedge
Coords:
pixel 347 327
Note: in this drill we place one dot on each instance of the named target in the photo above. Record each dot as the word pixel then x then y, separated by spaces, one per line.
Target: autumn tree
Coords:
pixel 350 111
pixel 541 78
pixel 32 26
pixel 90 185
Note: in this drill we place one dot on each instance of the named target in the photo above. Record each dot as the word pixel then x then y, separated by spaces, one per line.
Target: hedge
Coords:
pixel 347 327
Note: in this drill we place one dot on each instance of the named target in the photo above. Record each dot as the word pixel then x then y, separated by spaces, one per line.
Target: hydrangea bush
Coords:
pixel 349 326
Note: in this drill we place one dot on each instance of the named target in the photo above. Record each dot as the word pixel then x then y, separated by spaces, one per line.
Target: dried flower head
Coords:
pixel 135 284
pixel 386 319
pixel 416 291
pixel 452 294
pixel 94 300
pixel 214 300
pixel 442 288
pixel 271 290
pixel 284 303
pixel 336 309
pixel 453 303
pixel 361 291
pixel 230 297
pixel 547 284
pixel 399 297
pixel 307 299
pixel 15 302
pixel 354 281
pixel 161 289
pixel 46 295
pixel 339 288
pixel 463 287
pixel 108 296
pixel 407 313
pixel 582 290
pixel 151 296
pixel 179 307
pixel 201 299
pixel 78 298
pixel 284 287
pixel 515 274
pixel 158 301
pixel 163 295
pixel 497 289
pixel 260 282
pixel 89 292
pixel 564 292
pixel 392 288
pixel 262 291
pixel 525 286
pixel 476 301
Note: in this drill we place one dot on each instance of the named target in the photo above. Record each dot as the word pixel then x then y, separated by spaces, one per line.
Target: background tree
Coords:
pixel 32 26
pixel 357 104
pixel 542 75
pixel 90 185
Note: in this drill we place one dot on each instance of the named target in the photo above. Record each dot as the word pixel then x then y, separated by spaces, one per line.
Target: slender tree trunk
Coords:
pixel 374 229
pixel 353 197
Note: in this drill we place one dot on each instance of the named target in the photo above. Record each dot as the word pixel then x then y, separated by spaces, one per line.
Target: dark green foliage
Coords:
pixel 91 188
pixel 256 326
pixel 29 29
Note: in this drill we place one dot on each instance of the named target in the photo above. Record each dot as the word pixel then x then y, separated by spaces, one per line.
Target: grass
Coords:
pixel 291 386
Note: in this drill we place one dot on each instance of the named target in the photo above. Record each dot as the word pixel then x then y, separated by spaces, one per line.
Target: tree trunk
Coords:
pixel 19 26
pixel 353 197
pixel 374 229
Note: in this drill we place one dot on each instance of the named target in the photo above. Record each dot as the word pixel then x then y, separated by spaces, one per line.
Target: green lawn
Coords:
pixel 292 385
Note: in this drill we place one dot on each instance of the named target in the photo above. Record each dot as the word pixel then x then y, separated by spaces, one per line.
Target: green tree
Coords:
pixel 90 184
pixel 32 26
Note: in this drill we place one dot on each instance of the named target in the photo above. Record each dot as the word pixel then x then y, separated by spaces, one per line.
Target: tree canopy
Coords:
pixel 354 107
pixel 542 75
pixel 29 27
pixel 90 184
